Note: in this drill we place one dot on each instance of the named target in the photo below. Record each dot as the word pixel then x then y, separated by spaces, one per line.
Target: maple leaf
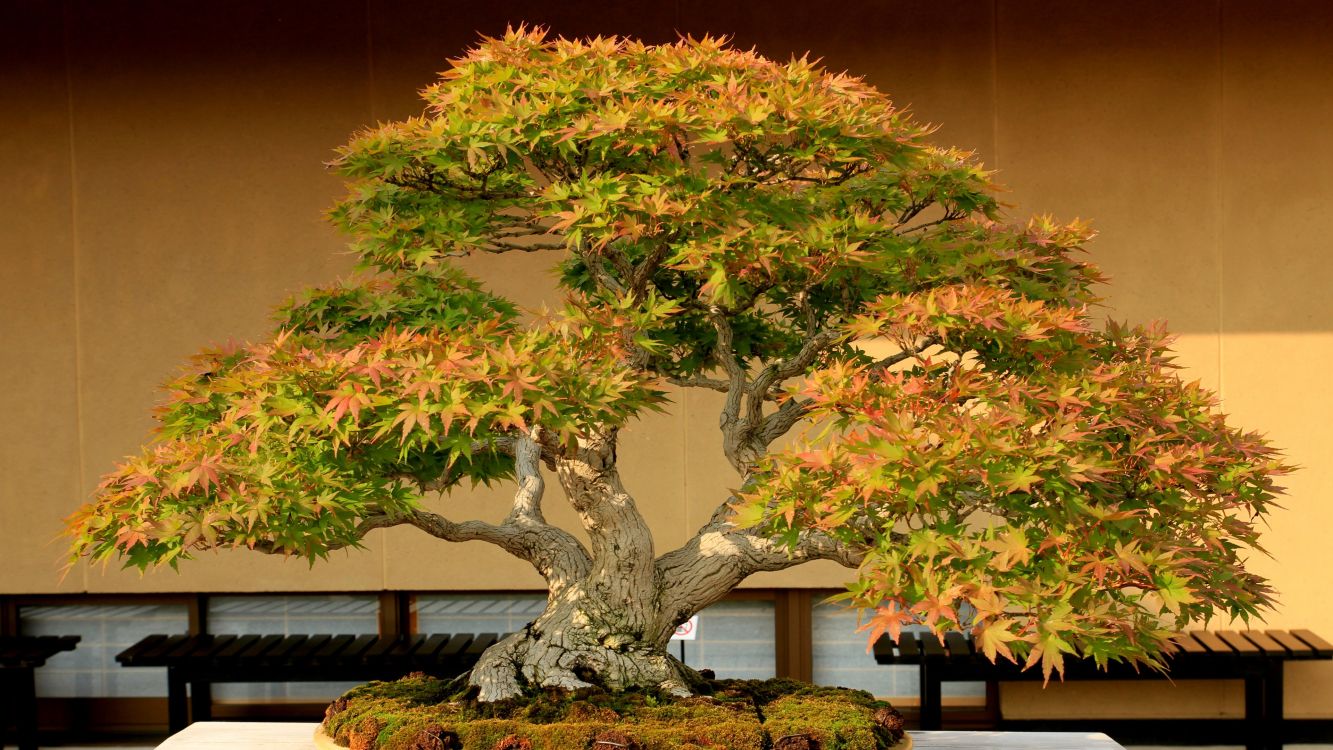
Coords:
pixel 890 618
pixel 1049 649
pixel 994 639
pixel 127 537
pixel 1174 592
pixel 1010 548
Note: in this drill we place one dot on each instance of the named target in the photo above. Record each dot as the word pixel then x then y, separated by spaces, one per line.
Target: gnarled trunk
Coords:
pixel 607 626
pixel 613 606
pixel 580 640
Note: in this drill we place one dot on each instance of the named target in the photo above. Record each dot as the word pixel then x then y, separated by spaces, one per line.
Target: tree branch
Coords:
pixel 729 420
pixel 780 422
pixel 716 559
pixel 554 552
pixel 698 381
pixel 783 369
pixel 527 508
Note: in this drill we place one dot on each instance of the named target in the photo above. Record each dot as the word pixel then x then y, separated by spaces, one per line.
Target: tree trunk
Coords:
pixel 583 640
pixel 612 608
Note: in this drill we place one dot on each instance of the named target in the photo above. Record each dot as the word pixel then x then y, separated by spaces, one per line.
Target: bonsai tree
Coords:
pixel 911 385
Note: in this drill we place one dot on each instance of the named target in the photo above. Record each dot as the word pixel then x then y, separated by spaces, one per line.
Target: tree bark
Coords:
pixel 608 627
pixel 582 640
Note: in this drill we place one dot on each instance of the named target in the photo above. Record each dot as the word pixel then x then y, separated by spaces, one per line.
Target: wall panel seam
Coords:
pixel 74 260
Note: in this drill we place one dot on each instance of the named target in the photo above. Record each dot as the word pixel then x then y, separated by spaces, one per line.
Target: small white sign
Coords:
pixel 688 630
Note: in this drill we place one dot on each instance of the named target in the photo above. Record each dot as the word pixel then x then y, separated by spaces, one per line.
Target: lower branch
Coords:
pixel 555 553
pixel 720 556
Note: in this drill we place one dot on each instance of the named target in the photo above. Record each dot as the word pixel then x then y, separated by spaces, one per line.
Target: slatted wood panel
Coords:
pixel 321 653
pixel 1224 644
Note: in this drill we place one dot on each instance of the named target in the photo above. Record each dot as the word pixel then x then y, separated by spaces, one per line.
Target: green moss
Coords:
pixel 413 713
pixel 835 723
pixel 415 689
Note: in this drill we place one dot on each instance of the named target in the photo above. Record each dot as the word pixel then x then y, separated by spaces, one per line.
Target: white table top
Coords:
pixel 1014 740
pixel 269 735
pixel 261 735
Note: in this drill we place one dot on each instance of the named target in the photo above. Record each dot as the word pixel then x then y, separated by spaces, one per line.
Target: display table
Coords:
pixel 261 735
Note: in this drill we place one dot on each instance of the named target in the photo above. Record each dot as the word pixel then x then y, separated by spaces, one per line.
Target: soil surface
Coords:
pixel 423 713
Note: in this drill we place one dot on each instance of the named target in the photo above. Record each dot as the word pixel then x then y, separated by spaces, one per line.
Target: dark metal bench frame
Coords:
pixel 199 661
pixel 20 656
pixel 1255 656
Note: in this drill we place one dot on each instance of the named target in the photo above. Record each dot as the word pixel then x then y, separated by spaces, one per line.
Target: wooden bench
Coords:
pixel 20 656
pixel 201 660
pixel 1255 656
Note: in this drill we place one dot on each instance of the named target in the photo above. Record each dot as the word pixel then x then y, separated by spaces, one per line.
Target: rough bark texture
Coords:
pixel 612 609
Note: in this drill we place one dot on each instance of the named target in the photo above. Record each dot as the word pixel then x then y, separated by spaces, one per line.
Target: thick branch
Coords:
pixel 554 552
pixel 527 509
pixel 720 556
pixel 622 544
pixel 780 422
pixel 698 381
pixel 781 370
pixel 729 420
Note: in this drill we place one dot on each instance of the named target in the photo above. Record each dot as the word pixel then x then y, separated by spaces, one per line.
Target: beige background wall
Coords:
pixel 161 187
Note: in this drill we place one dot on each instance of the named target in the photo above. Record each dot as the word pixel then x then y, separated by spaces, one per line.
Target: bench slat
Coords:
pixel 884 650
pixel 183 650
pixel 357 648
pixel 312 644
pixel 1188 644
pixel 432 645
pixel 239 646
pixel 335 645
pixel 163 648
pixel 132 653
pixel 931 646
pixel 278 654
pixel 258 648
pixel 1212 642
pixel 960 647
pixel 1322 648
pixel 909 646
pixel 1265 643
pixel 403 648
pixel 1299 649
pixel 381 645
pixel 218 645
pixel 1238 643
pixel 455 645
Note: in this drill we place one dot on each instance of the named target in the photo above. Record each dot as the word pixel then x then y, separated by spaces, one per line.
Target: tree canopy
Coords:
pixel 973 441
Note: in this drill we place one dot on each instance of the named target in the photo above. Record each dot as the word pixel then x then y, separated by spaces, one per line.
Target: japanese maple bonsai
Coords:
pixel 980 452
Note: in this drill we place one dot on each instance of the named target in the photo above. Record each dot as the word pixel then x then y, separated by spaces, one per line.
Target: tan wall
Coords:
pixel 161 188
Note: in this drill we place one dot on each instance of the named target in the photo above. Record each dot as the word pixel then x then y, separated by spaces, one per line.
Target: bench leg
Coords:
pixel 5 689
pixel 1273 706
pixel 177 718
pixel 931 717
pixel 201 701
pixel 25 708
pixel 1254 713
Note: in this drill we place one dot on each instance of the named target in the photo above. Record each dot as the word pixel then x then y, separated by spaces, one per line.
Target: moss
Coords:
pixel 832 722
pixel 415 689
pixel 417 713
